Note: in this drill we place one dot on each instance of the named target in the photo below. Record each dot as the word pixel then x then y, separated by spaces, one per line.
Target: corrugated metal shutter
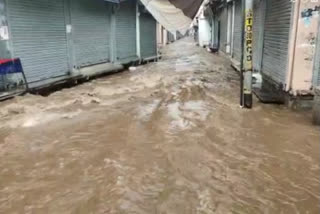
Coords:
pixel 126 33
pixel 2 83
pixel 276 39
pixel 237 35
pixel 148 35
pixel 316 69
pixel 318 74
pixel 318 77
pixel 38 34
pixel 91 26
pixel 223 29
pixel 258 32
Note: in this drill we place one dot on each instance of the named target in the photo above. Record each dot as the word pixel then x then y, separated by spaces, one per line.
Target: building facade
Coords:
pixel 57 40
pixel 286 49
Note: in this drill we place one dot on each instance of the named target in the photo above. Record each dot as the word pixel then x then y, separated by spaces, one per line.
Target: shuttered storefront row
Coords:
pixel 91 21
pixel 125 17
pixel 276 39
pixel 258 32
pixel 38 36
pixel 148 35
pixel 237 35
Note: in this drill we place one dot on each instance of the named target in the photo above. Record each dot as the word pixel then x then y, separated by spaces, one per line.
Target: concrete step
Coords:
pixel 268 96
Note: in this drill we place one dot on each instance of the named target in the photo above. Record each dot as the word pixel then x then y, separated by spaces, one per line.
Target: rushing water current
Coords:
pixel 167 138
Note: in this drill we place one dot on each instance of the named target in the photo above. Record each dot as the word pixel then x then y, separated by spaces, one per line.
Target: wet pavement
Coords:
pixel 167 138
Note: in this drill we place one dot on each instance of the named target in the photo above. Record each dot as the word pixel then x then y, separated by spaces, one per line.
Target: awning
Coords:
pixel 174 15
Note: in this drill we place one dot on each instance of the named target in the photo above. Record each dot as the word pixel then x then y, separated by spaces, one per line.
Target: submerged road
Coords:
pixel 168 138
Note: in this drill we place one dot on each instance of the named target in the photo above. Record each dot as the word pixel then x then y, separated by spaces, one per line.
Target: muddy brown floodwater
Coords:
pixel 168 138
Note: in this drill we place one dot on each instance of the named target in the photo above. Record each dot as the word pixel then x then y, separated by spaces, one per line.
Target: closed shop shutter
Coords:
pixel 276 39
pixel 148 35
pixel 91 24
pixel 223 29
pixel 38 34
pixel 318 83
pixel 258 32
pixel 316 69
pixel 126 33
pixel 317 76
pixel 237 35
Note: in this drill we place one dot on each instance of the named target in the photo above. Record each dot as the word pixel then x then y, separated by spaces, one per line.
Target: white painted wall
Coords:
pixel 204 31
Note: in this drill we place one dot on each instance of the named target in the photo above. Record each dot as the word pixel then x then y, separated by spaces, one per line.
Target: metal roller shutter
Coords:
pixel 258 32
pixel 316 69
pixel 91 24
pixel 2 83
pixel 223 29
pixel 237 35
pixel 276 39
pixel 148 35
pixel 126 33
pixel 317 76
pixel 38 34
pixel 318 81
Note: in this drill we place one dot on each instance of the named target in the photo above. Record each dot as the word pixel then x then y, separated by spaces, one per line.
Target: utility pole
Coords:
pixel 247 66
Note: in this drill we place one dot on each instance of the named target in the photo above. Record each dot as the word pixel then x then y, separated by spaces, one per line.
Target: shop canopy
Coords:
pixel 174 15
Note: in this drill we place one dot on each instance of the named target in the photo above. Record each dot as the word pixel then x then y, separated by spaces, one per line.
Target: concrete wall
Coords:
pixel 304 48
pixel 204 31
pixel 162 35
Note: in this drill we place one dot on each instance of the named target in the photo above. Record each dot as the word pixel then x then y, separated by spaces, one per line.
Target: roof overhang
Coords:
pixel 174 15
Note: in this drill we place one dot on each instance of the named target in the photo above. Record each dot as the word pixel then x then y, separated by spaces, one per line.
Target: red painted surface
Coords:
pixel 6 60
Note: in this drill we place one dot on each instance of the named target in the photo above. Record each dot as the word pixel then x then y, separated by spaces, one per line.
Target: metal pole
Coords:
pixel 243 5
pixel 248 55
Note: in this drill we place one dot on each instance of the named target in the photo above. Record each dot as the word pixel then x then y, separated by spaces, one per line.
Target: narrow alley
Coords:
pixel 168 137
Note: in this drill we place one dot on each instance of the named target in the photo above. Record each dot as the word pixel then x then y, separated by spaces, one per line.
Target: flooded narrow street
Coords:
pixel 167 138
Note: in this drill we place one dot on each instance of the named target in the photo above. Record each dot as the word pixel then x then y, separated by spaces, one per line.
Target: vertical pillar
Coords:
pixel 5 51
pixel 138 30
pixel 229 28
pixel 69 30
pixel 246 99
pixel 165 36
pixel 113 40
pixel 232 29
